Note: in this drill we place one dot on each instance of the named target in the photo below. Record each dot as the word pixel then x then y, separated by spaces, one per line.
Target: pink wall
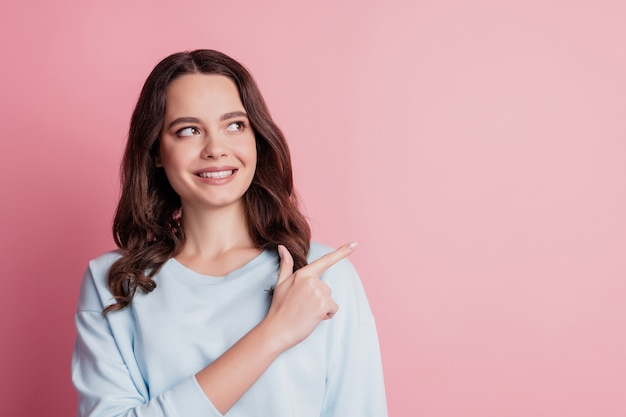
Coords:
pixel 475 149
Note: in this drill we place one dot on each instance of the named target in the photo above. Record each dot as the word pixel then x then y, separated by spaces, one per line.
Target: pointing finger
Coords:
pixel 320 265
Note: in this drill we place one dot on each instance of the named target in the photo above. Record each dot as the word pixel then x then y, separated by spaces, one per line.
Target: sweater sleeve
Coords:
pixel 106 375
pixel 355 384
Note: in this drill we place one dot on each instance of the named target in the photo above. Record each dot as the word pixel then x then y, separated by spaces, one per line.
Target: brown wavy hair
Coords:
pixel 147 227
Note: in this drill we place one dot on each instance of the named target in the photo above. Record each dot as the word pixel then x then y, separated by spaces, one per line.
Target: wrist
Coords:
pixel 270 337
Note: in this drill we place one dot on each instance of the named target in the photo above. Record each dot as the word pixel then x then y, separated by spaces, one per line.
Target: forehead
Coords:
pixel 202 94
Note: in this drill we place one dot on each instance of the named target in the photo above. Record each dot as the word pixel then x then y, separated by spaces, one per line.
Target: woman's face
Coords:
pixel 207 147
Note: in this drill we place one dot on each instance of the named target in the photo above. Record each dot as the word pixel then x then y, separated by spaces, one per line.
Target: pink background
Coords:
pixel 475 149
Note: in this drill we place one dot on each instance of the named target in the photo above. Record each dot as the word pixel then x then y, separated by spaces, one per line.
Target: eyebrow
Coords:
pixel 195 120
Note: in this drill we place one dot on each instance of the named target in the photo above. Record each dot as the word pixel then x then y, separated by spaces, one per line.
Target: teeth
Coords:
pixel 219 174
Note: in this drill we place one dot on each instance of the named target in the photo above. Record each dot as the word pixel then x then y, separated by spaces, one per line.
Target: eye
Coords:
pixel 236 126
pixel 187 131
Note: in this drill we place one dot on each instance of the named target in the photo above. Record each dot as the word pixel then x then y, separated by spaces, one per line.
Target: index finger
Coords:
pixel 319 266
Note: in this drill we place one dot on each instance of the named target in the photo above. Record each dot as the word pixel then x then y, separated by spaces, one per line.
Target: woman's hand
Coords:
pixel 301 300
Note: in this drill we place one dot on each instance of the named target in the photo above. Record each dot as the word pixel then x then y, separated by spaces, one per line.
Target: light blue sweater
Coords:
pixel 141 361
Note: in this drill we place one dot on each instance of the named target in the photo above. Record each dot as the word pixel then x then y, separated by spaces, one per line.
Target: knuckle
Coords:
pixel 312 283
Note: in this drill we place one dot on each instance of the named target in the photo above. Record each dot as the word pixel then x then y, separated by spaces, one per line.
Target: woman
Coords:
pixel 199 312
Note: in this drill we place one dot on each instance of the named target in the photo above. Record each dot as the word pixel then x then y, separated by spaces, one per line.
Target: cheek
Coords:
pixel 253 155
pixel 250 152
pixel 174 156
pixel 173 163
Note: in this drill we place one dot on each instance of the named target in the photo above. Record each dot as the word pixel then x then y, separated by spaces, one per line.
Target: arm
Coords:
pixel 110 384
pixel 300 301
pixel 106 374
pixel 108 387
pixel 355 378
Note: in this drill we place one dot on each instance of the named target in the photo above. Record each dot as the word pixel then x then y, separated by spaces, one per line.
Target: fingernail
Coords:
pixel 280 251
pixel 353 245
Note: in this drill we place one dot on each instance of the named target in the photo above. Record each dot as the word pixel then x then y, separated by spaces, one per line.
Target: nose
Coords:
pixel 214 148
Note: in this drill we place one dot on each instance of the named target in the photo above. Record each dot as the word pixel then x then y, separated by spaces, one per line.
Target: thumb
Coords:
pixel 286 264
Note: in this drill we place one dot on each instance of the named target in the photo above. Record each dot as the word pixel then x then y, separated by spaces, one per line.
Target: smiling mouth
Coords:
pixel 217 174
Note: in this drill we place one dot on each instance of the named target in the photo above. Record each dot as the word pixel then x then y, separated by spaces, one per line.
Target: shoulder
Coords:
pixel 99 267
pixel 94 291
pixel 103 262
pixel 317 250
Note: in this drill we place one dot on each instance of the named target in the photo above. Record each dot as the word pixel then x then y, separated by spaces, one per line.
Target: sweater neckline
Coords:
pixel 183 271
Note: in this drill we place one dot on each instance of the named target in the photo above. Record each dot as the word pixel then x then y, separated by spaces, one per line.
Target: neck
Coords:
pixel 209 233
